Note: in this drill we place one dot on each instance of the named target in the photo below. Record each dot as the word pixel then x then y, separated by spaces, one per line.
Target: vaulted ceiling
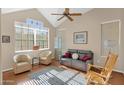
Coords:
pixel 46 12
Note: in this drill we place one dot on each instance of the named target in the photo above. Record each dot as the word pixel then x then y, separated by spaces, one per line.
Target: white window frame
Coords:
pixel 34 30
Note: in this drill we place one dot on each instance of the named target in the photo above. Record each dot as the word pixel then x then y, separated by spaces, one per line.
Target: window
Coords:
pixel 42 38
pixel 28 36
pixel 110 37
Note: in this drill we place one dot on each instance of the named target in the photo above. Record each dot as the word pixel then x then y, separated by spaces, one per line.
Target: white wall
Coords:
pixel 0 52
pixel 7 27
pixel 91 22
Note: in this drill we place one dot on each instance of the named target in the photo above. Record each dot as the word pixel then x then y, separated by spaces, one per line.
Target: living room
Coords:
pixel 62 36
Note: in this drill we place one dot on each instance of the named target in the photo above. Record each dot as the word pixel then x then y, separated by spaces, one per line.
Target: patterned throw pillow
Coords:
pixel 75 56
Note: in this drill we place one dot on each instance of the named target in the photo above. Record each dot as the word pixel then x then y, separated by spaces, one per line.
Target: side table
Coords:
pixel 38 58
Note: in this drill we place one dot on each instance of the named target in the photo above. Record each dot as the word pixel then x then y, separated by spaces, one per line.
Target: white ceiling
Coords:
pixel 10 10
pixel 46 12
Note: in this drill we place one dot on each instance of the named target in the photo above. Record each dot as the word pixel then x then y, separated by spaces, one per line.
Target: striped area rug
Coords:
pixel 55 76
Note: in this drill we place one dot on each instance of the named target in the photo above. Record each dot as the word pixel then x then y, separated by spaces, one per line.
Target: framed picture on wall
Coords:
pixel 5 39
pixel 80 37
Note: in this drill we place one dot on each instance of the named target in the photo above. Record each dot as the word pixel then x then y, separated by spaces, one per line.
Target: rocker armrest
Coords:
pixel 95 66
pixel 90 66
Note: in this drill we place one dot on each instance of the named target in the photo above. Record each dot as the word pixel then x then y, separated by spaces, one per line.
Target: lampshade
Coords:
pixel 36 47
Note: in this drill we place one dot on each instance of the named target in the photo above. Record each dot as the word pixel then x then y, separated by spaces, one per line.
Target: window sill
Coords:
pixel 30 50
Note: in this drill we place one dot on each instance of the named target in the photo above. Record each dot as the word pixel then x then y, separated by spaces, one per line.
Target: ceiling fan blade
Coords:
pixel 69 18
pixel 56 14
pixel 75 14
pixel 66 10
pixel 60 18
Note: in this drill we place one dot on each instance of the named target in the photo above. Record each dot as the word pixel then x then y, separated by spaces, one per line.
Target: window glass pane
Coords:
pixel 25 36
pixel 42 38
pixel 18 33
pixel 30 39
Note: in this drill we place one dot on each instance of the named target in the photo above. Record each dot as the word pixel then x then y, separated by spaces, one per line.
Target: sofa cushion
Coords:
pixel 72 50
pixel 66 61
pixel 89 54
pixel 84 51
pixel 78 64
pixel 75 56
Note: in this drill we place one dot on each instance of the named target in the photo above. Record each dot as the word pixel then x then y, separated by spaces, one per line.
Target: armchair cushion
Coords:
pixel 22 63
pixel 43 58
pixel 22 58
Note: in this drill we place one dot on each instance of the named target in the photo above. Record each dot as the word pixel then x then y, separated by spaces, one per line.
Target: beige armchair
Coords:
pixel 45 57
pixel 22 63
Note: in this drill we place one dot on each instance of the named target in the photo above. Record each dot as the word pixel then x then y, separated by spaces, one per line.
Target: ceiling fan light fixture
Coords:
pixel 67 14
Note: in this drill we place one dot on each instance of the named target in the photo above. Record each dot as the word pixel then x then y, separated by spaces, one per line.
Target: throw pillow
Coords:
pixel 81 58
pixel 86 57
pixel 75 56
pixel 67 55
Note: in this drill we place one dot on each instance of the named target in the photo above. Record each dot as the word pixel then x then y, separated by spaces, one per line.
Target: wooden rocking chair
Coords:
pixel 103 76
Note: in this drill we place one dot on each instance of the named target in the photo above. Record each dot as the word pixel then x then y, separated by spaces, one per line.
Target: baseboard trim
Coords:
pixel 5 70
pixel 115 70
pixel 118 71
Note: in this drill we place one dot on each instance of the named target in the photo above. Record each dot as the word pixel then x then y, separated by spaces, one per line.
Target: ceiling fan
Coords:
pixel 67 14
